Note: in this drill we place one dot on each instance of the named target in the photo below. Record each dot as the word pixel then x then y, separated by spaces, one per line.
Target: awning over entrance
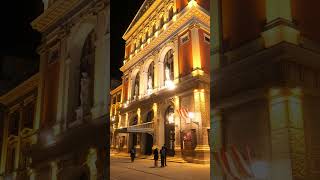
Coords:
pixel 141 128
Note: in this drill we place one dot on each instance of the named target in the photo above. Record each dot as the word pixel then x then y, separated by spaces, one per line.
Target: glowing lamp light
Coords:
pixel 124 62
pixel 192 3
pixel 112 119
pixel 171 119
pixel 126 104
pixel 170 84
pixel 191 115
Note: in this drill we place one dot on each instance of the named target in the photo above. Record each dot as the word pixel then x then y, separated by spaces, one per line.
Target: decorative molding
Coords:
pixel 185 17
pixel 21 90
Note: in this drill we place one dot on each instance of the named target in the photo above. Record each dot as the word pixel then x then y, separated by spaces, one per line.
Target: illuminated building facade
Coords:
pixel 18 128
pixel 165 87
pixel 55 121
pixel 266 86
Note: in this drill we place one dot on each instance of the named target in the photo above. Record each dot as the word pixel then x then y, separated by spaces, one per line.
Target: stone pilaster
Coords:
pixel 178 125
pixel 196 57
pixel 176 59
pixel 280 27
pixel 102 69
pixel 201 118
pixel 287 134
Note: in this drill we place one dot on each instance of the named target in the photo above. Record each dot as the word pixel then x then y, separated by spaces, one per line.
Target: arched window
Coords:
pixel 134 121
pixel 161 22
pixel 151 76
pixel 170 13
pixel 135 87
pixel 87 66
pixel 150 116
pixel 154 29
pixel 168 65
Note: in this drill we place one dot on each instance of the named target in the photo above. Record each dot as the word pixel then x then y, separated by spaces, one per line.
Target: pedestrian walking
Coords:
pixel 166 152
pixel 162 154
pixel 132 154
pixel 156 157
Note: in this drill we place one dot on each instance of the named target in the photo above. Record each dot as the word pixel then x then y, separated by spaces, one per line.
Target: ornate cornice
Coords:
pixel 22 89
pixel 61 8
pixel 186 16
pixel 53 14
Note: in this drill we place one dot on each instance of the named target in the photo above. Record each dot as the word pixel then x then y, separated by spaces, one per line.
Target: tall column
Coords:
pixel 40 95
pixel 160 75
pixel 201 108
pixel 129 86
pixel 177 147
pixel 155 125
pixel 287 134
pixel 102 68
pixel 196 57
pixel 176 59
pixel 63 81
pixel 156 72
pixel 66 92
pixel 216 143
pixel 280 27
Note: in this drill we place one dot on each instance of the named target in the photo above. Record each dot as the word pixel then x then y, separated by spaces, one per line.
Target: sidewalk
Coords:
pixel 140 156
pixel 121 168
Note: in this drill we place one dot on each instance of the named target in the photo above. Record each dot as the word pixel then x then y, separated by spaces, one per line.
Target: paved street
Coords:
pixel 122 169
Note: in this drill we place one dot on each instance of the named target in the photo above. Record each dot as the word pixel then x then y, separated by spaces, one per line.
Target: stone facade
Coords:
pixel 265 91
pixel 166 70
pixel 66 138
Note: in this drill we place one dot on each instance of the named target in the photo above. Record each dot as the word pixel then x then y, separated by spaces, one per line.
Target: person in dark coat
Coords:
pixel 162 154
pixel 132 154
pixel 166 151
pixel 155 157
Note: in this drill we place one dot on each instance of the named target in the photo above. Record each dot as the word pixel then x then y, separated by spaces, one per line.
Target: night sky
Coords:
pixel 17 38
pixel 122 13
pixel 18 42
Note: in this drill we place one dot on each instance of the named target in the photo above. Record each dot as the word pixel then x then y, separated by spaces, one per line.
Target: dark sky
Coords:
pixel 18 42
pixel 122 13
pixel 17 38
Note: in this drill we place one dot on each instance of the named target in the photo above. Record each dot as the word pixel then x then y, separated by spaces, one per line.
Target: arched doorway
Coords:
pixel 169 130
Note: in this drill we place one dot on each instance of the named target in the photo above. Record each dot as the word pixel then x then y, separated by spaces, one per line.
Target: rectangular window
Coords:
pixel 29 114
pixel 14 123
pixel 185 38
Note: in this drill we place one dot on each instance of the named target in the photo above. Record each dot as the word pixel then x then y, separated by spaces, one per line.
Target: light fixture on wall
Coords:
pixel 170 84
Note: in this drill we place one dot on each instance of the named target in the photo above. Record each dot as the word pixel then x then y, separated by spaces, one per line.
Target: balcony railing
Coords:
pixel 144 128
